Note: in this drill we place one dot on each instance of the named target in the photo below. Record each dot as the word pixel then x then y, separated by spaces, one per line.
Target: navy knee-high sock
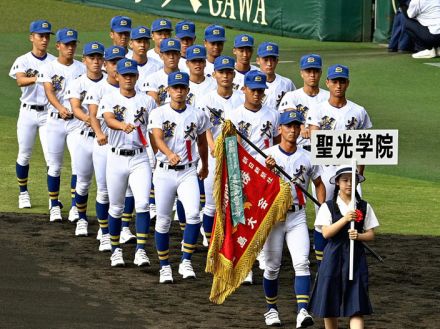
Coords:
pixel 102 215
pixel 142 228
pixel 22 176
pixel 53 186
pixel 127 215
pixel 162 247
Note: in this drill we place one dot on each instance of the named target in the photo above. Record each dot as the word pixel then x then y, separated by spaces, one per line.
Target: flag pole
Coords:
pixel 353 207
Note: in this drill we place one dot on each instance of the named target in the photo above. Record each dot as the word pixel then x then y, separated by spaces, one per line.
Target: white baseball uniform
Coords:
pixel 259 127
pixel 199 90
pixel 58 130
pixel 146 70
pixel 84 148
pixel 182 65
pixel 181 130
pixel 326 117
pixel 33 98
pixel 239 78
pixel 209 69
pixel 157 82
pixel 127 159
pixel 152 54
pixel 299 100
pixel 225 107
pixel 276 90
pixel 294 230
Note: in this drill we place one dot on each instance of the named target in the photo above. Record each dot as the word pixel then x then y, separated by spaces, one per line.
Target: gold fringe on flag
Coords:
pixel 226 278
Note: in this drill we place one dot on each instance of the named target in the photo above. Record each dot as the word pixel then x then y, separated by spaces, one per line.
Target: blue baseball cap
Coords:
pixel 195 52
pixel 215 33
pixel 140 32
pixel 93 47
pixel 178 78
pixel 337 71
pixel 186 29
pixel 310 61
pixel 120 24
pixel 224 63
pixel 169 45
pixel 67 35
pixel 291 116
pixel 127 66
pixel 114 52
pixel 161 24
pixel 243 40
pixel 255 80
pixel 40 26
pixel 267 49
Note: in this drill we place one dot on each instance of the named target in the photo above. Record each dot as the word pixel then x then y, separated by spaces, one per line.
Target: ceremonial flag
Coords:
pixel 249 200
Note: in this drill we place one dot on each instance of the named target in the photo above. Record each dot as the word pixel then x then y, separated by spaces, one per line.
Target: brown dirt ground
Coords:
pixel 50 279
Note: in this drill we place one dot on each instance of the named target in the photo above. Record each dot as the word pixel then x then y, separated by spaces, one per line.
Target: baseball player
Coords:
pixel 54 76
pixel 126 114
pixel 267 59
pixel 257 122
pixel 186 34
pixel 178 129
pixel 161 29
pixel 93 58
pixel 223 101
pixel 120 27
pixel 296 162
pixel 199 84
pixel 156 84
pixel 33 107
pixel 308 96
pixel 140 43
pixel 92 99
pixel 336 113
pixel 214 43
pixel 243 50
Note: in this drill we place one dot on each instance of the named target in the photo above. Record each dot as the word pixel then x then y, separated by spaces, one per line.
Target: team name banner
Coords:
pixel 266 199
pixel 367 147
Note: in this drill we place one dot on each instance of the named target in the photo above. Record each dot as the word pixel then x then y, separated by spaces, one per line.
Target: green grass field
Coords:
pixel 397 91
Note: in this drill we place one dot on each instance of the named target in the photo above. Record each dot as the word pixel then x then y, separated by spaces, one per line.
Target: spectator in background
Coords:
pixel 400 40
pixel 423 25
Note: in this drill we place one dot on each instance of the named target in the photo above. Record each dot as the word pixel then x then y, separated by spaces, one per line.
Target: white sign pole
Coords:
pixel 353 207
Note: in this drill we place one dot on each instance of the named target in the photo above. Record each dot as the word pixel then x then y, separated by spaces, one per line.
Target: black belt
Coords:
pixel 88 134
pixel 177 167
pixel 56 115
pixel 127 153
pixel 38 108
pixel 296 208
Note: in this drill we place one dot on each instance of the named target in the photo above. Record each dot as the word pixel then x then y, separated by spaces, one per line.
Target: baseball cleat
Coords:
pixel 81 228
pixel 73 214
pixel 126 236
pixel 186 270
pixel 141 258
pixel 304 319
pixel 272 318
pixel 116 258
pixel 24 200
pixel 55 214
pixel 166 274
pixel 248 280
pixel 427 53
pixel 104 243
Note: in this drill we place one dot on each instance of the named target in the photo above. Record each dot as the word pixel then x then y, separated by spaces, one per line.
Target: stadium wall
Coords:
pixel 329 20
